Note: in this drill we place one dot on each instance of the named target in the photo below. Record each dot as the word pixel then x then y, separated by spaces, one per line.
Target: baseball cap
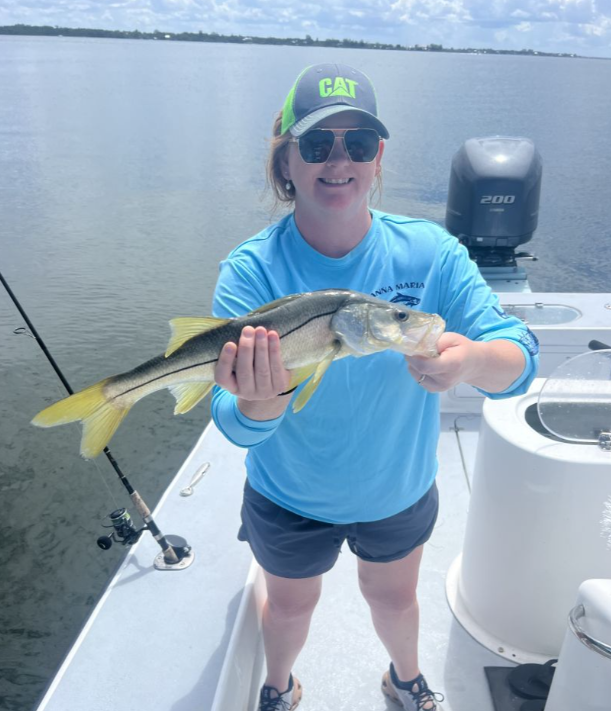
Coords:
pixel 326 89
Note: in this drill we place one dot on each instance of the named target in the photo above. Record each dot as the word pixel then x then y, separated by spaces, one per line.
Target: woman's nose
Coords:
pixel 338 152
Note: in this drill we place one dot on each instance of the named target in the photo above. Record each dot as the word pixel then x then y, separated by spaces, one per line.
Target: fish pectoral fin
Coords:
pixel 320 370
pixel 100 419
pixel 183 329
pixel 189 394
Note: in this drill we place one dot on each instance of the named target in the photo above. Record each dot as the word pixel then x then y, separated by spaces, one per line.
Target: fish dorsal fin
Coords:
pixel 183 329
pixel 320 370
pixel 189 394
pixel 275 304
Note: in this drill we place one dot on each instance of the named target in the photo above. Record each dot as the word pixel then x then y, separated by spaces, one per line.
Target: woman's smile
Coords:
pixel 335 181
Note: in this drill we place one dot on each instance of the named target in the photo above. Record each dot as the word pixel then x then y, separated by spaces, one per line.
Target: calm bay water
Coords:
pixel 127 171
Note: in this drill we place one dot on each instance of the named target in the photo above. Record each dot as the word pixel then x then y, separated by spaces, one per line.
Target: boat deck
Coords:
pixel 158 640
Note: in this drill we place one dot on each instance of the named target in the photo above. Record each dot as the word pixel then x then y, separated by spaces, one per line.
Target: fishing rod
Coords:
pixel 176 554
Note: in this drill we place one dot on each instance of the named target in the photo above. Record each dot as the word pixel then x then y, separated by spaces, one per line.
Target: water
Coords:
pixel 127 171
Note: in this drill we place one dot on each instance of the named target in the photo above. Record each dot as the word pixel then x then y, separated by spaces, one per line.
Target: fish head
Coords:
pixel 369 325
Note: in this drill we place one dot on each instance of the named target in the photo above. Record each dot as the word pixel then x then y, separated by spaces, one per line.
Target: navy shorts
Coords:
pixel 292 546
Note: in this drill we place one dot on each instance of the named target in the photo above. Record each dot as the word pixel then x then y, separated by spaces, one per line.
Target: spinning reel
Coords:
pixel 124 531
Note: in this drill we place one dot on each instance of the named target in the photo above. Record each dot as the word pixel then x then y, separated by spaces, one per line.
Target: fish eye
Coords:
pixel 401 316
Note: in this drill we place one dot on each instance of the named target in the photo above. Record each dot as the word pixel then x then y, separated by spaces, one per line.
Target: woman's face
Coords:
pixel 337 186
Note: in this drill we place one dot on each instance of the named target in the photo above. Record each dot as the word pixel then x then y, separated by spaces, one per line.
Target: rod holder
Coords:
pixel 590 642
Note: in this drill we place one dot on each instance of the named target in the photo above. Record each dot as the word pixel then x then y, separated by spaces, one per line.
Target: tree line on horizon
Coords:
pixel 308 41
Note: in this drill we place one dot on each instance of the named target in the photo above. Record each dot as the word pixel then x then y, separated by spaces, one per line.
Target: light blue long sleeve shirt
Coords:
pixel 364 447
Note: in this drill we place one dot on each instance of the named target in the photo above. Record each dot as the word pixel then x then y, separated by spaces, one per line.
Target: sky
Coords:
pixel 571 26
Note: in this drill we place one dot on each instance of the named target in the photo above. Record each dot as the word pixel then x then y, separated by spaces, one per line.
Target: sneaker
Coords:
pixel 418 697
pixel 272 700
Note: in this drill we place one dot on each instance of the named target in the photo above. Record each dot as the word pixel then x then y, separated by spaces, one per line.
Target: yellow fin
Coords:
pixel 189 394
pixel 99 428
pixel 310 388
pixel 300 375
pixel 275 304
pixel 100 419
pixel 183 329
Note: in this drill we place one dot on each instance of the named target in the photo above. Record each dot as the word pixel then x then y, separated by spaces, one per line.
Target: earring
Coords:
pixel 288 185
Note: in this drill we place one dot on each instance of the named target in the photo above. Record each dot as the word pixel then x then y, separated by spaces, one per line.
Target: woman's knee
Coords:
pixel 390 599
pixel 390 586
pixel 292 597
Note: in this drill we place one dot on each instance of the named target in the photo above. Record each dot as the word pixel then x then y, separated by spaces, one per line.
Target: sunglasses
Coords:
pixel 361 144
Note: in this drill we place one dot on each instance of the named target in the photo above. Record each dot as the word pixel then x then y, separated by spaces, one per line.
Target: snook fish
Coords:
pixel 315 329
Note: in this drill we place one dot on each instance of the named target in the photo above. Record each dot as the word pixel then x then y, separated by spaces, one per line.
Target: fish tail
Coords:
pixel 90 406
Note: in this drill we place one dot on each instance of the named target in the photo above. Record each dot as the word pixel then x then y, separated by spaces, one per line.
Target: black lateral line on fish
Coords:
pixel 159 377
pixel 214 360
pixel 305 323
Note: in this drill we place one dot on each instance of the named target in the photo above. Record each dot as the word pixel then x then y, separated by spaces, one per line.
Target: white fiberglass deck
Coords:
pixel 158 640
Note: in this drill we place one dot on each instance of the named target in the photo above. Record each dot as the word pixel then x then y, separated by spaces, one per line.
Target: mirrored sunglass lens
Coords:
pixel 316 145
pixel 362 144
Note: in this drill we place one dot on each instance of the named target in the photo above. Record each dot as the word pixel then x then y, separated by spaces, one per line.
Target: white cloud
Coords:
pixel 580 26
pixel 416 10
pixel 552 25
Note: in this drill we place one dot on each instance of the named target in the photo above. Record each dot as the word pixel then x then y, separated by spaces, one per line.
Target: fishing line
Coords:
pixel 103 478
pixel 173 555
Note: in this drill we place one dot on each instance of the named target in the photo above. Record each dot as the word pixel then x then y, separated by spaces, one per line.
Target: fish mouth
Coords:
pixel 423 339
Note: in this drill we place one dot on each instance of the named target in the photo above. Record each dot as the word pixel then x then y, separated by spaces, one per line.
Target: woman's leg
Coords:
pixel 286 621
pixel 390 590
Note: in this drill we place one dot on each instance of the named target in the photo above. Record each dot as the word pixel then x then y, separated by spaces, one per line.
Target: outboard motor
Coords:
pixel 493 199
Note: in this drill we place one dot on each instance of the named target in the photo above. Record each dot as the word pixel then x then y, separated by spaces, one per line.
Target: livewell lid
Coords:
pixel 575 401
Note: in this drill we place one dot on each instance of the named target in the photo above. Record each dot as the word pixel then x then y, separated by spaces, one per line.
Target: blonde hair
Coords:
pixel 276 181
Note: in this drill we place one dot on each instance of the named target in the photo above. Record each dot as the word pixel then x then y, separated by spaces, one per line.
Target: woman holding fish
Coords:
pixel 296 308
pixel 359 462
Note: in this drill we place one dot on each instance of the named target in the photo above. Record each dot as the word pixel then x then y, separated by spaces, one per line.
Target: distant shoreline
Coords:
pixel 47 30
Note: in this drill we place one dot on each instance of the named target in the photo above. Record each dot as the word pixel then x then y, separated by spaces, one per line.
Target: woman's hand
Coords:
pixel 492 366
pixel 253 370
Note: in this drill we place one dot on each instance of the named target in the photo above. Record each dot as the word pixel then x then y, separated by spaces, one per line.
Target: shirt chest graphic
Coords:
pixel 396 293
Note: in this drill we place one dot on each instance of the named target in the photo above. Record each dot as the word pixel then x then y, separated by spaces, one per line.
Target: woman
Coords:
pixel 359 462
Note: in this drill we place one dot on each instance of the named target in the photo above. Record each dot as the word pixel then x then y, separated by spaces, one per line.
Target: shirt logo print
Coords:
pixel 405 299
